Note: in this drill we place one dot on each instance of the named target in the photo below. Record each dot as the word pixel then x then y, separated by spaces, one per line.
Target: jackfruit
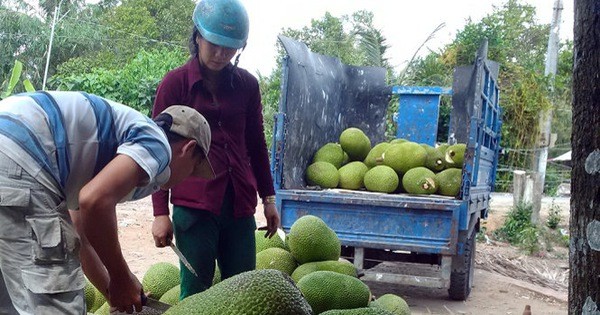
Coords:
pixel 331 153
pixel 256 292
pixel 392 303
pixel 159 278
pixel 327 290
pixel 442 147
pixel 99 299
pixel 449 181
pixel 263 242
pixel 322 174
pixel 419 180
pixel 90 295
pixel 104 309
pixel 171 297
pixel 455 155
pixel 352 174
pixel 343 267
pixel 346 159
pixel 381 178
pixel 276 258
pixel 310 239
pixel 217 275
pixel 359 311
pixel 404 156
pixel 356 143
pixel 374 157
pixel 399 140
pixel 435 158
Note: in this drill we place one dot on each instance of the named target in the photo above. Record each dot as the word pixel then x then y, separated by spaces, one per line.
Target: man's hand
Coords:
pixel 162 230
pixel 125 293
pixel 272 219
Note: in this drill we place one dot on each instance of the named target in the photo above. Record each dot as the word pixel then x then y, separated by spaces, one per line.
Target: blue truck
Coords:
pixel 433 235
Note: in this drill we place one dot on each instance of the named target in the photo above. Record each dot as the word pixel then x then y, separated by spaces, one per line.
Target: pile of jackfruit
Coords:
pixel 398 166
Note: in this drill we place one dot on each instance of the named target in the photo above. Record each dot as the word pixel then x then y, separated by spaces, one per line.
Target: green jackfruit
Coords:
pixel 419 180
pixel 217 275
pixel 374 157
pixel 449 181
pixel 442 147
pixel 263 242
pixel 343 267
pixel 276 258
pixel 404 156
pixel 99 299
pixel 381 178
pixel 159 278
pixel 392 303
pixel 331 153
pixel 328 290
pixel 171 297
pixel 435 158
pixel 352 174
pixel 359 311
pixel 455 155
pixel 257 292
pixel 310 239
pixel 90 295
pixel 399 140
pixel 356 143
pixel 322 174
pixel 104 309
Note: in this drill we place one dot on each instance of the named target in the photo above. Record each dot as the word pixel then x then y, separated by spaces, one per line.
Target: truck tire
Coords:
pixel 462 281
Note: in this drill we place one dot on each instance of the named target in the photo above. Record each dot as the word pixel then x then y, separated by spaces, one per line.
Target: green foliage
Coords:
pixel 554 216
pixel 134 84
pixel 517 221
pixel 7 87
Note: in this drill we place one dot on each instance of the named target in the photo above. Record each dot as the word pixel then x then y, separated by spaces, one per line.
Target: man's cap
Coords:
pixel 189 123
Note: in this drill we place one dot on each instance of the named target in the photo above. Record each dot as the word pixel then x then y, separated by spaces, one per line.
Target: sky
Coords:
pixel 405 24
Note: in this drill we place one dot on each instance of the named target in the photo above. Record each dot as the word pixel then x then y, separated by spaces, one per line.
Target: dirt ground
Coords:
pixel 506 279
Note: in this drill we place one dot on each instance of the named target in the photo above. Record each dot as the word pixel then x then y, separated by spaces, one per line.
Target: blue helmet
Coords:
pixel 222 22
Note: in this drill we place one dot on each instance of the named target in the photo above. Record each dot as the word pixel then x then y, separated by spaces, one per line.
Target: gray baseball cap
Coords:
pixel 190 124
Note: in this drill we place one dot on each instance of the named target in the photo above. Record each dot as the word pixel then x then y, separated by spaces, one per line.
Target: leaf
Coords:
pixel 28 86
pixel 14 79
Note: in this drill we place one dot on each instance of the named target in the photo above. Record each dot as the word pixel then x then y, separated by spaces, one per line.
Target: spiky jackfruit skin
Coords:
pixel 381 178
pixel 404 156
pixel 276 258
pixel 435 158
pixel 257 292
pixel 374 157
pixel 90 295
pixel 171 297
pixel 310 239
pixel 419 180
pixel 99 300
pixel 331 153
pixel 455 155
pixel 343 267
pixel 359 311
pixel 263 242
pixel 328 290
pixel 159 278
pixel 442 147
pixel 449 181
pixel 356 143
pixel 104 309
pixel 392 303
pixel 352 174
pixel 322 174
pixel 399 140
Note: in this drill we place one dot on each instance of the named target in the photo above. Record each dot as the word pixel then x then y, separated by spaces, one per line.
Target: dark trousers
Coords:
pixel 204 238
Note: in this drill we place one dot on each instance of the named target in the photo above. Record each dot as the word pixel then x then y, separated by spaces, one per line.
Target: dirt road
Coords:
pixel 492 293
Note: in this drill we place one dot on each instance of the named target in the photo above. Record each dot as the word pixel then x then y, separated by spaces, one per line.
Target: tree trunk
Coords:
pixel 584 257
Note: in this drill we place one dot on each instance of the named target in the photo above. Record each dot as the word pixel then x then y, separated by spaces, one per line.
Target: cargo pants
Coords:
pixel 40 272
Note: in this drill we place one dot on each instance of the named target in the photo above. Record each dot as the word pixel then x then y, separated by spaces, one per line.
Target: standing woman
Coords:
pixel 214 219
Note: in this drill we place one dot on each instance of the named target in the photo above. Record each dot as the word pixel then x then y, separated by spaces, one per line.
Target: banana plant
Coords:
pixel 9 86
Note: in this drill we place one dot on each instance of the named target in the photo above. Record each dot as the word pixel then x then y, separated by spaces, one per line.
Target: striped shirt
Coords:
pixel 66 138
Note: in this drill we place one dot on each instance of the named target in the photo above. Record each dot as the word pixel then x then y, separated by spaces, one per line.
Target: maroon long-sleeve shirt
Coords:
pixel 238 151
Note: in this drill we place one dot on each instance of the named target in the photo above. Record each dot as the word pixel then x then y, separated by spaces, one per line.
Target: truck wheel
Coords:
pixel 462 281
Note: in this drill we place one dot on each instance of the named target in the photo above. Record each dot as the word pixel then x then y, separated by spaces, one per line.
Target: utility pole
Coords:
pixel 543 142
pixel 54 21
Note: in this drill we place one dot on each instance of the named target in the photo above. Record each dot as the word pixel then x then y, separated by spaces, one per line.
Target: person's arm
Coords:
pixel 259 157
pixel 97 203
pixel 90 262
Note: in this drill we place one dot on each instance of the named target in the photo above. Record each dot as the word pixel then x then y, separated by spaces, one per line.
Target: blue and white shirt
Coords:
pixel 65 138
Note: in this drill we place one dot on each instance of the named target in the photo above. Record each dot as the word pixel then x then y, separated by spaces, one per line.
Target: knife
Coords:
pixel 154 304
pixel 185 262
